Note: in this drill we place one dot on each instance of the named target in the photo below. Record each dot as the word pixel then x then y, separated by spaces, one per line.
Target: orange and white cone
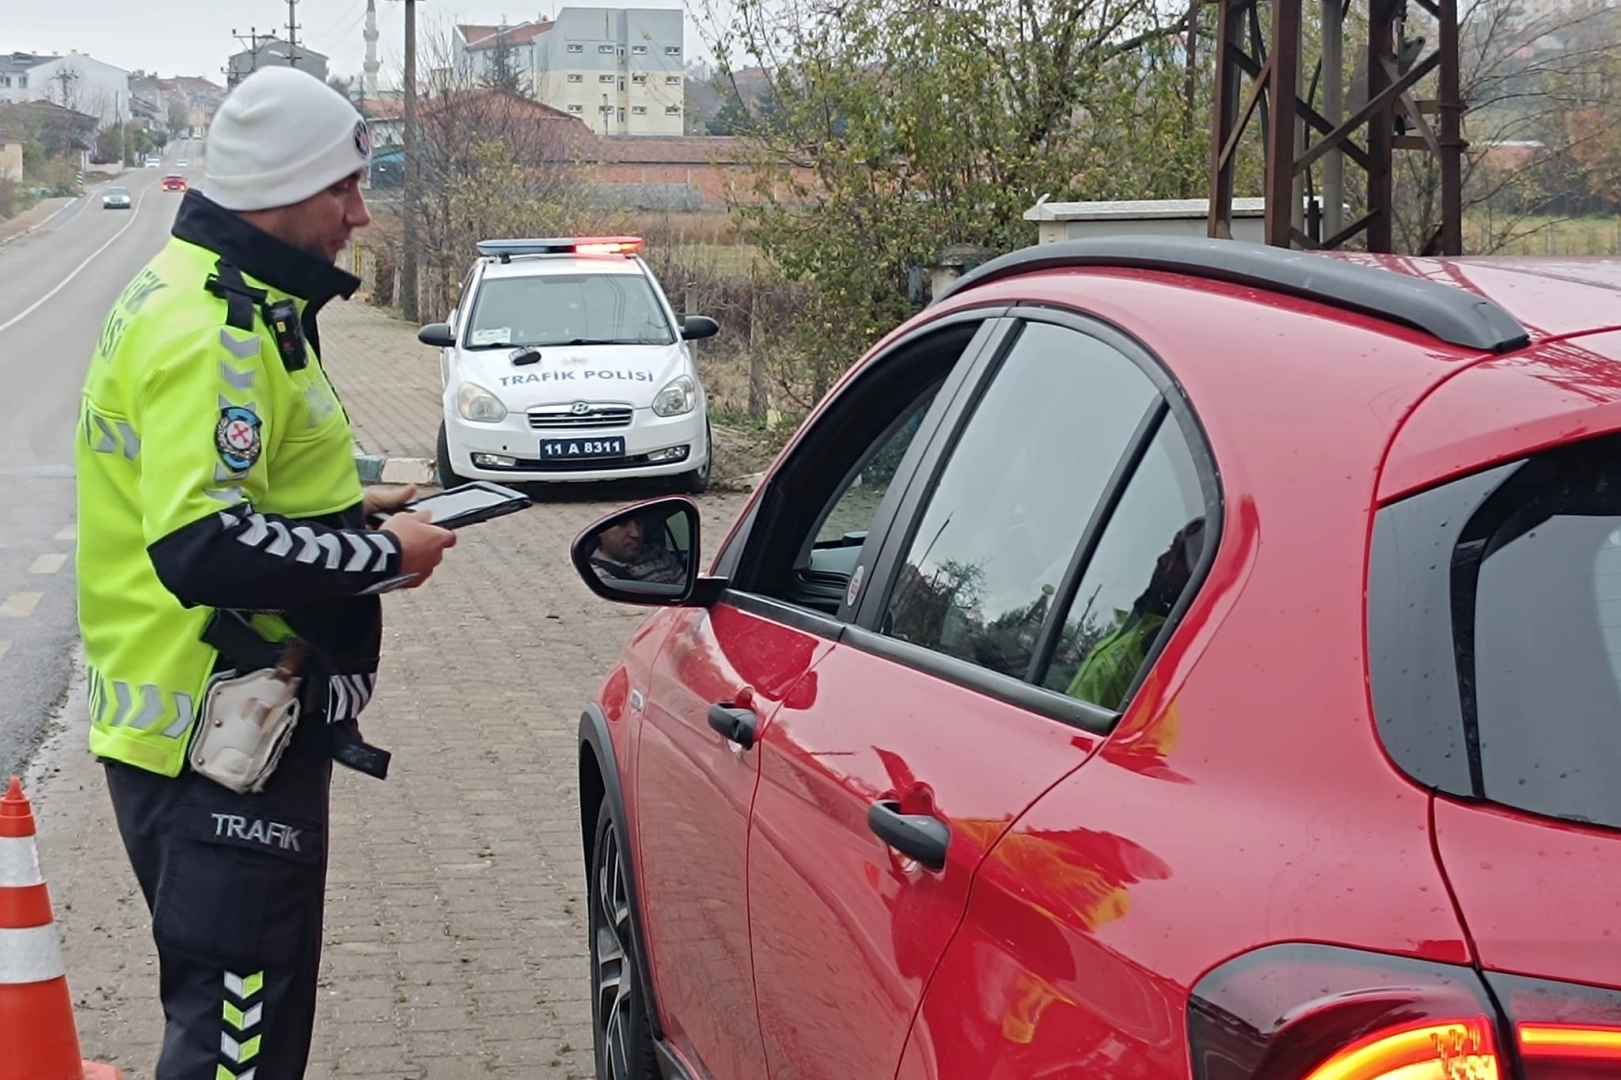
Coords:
pixel 37 1038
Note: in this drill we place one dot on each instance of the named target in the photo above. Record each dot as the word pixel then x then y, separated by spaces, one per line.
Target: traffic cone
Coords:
pixel 37 1038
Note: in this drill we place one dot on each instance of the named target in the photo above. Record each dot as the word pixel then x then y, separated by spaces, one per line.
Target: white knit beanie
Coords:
pixel 281 136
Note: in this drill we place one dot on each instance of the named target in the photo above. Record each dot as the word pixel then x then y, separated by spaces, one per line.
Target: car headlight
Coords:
pixel 681 396
pixel 476 403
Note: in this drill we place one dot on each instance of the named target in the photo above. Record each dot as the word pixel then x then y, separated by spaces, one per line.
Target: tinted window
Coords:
pixel 992 545
pixel 564 309
pixel 1143 563
pixel 1514 616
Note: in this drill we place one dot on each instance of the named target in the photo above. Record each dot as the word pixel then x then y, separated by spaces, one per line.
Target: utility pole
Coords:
pixel 408 256
pixel 292 34
pixel 252 42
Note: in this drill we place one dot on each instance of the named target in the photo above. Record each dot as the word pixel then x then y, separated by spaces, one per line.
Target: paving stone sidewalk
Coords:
pixel 389 381
pixel 456 905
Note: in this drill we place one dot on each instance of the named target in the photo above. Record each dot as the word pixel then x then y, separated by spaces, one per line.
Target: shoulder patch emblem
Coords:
pixel 237 438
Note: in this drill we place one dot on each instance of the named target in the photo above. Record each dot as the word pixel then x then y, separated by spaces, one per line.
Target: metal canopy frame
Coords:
pixel 1293 162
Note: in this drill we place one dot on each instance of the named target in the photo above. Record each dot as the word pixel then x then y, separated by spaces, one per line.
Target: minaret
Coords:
pixel 372 66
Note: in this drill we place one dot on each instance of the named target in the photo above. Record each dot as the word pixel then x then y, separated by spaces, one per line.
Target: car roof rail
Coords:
pixel 1444 311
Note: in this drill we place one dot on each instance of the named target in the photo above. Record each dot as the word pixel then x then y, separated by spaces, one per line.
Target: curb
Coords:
pixel 41 224
pixel 377 469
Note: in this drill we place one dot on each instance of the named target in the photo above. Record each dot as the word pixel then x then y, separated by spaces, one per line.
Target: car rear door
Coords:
pixel 928 731
pixel 1496 671
pixel 744 659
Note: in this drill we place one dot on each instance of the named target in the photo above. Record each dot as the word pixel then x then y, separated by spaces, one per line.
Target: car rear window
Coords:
pixel 1494 607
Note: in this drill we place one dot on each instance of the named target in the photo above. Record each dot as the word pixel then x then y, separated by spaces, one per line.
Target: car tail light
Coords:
pixel 1562 1031
pixel 1312 1012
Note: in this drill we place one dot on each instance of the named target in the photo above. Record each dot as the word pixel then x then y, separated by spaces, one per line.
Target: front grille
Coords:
pixel 595 416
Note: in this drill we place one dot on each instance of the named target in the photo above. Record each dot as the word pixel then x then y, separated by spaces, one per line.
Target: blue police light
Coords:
pixel 570 245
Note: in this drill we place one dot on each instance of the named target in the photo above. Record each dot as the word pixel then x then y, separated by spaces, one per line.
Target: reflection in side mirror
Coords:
pixel 645 554
pixel 694 327
pixel 437 334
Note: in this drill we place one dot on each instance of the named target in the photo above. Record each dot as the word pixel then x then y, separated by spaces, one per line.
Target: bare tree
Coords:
pixel 492 163
pixel 1527 72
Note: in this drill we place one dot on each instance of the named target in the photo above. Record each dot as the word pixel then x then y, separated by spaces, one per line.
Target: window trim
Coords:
pixel 1173 405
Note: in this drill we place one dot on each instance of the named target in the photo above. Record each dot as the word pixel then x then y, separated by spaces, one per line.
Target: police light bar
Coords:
pixel 571 245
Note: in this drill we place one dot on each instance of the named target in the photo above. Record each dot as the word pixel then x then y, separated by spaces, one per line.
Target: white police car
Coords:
pixel 563 361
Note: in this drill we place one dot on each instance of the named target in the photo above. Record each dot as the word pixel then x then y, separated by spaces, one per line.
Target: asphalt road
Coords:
pixel 56 286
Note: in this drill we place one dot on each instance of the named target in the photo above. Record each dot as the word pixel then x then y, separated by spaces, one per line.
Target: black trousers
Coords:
pixel 236 885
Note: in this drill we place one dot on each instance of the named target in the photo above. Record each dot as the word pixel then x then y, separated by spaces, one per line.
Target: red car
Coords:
pixel 174 183
pixel 1158 659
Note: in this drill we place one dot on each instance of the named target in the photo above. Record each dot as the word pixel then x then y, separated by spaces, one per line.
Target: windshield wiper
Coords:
pixel 600 341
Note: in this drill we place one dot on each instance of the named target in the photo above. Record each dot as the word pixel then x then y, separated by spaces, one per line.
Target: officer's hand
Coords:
pixel 375 499
pixel 421 545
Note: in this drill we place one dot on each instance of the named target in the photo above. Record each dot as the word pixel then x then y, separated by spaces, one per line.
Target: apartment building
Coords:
pixel 74 81
pixel 621 71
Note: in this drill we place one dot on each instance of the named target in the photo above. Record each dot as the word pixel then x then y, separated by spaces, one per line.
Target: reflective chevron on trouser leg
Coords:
pixel 240 1038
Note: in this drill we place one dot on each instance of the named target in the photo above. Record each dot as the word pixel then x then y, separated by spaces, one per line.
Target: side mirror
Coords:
pixel 644 554
pixel 694 327
pixel 437 334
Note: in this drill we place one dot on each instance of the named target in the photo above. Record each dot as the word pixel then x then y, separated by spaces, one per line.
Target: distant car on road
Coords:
pixel 173 182
pixel 182 163
pixel 153 161
pixel 115 198
pixel 563 361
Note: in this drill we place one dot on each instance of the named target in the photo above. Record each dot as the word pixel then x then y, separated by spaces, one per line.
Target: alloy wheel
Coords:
pixel 614 975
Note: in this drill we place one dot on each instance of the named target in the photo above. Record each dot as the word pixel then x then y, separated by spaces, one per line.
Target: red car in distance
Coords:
pixel 173 182
pixel 1157 659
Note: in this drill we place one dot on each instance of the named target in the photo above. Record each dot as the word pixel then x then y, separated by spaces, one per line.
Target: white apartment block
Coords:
pixel 75 81
pixel 619 70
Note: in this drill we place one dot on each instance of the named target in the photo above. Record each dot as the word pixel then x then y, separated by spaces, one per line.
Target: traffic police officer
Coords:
pixel 223 534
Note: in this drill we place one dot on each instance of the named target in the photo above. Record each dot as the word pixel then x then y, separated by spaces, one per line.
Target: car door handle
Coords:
pixel 736 725
pixel 917 836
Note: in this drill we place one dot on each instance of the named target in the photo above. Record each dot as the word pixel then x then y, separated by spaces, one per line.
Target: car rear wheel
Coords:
pixel 447 475
pixel 619 1027
pixel 696 482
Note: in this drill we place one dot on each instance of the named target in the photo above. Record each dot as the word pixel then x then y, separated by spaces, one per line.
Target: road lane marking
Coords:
pixel 67 532
pixel 48 564
pixel 37 304
pixel 5 646
pixel 19 605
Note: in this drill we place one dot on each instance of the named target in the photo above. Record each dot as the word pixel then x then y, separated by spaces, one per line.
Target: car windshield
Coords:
pixel 568 309
pixel 117 191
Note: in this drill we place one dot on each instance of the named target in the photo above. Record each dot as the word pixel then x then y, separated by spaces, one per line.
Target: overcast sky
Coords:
pixel 193 37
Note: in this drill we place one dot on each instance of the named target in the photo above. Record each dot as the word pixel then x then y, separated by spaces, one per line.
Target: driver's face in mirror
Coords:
pixel 641 549
pixel 623 543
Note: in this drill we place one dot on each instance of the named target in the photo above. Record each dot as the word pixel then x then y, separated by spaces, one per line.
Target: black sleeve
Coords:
pixel 242 559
